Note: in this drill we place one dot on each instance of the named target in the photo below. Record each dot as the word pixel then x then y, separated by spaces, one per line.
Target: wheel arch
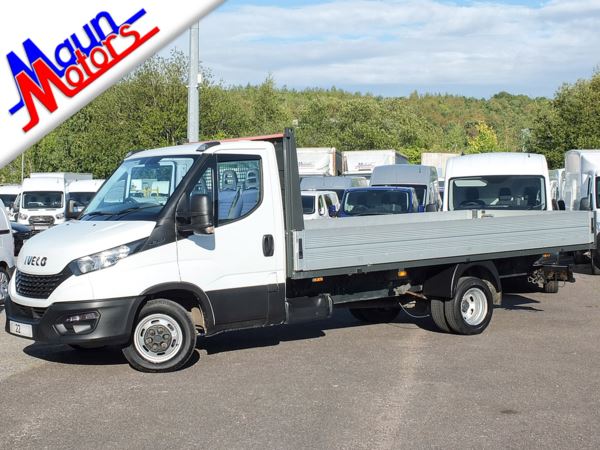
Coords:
pixel 187 295
pixel 443 283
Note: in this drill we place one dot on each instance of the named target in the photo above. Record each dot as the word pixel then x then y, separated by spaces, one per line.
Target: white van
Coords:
pixel 43 199
pixel 557 184
pixel 581 189
pixel 424 179
pixel 8 195
pixel 319 204
pixel 500 181
pixel 81 193
pixel 7 251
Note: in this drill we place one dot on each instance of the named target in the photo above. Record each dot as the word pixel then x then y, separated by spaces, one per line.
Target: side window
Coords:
pixel 240 187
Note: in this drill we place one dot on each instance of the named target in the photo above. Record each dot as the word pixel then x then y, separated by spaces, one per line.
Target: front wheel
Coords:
pixel 470 310
pixel 163 339
pixel 4 280
pixel 551 287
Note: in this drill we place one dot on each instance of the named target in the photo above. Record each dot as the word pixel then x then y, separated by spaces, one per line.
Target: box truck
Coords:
pixel 362 162
pixel 315 161
pixel 149 274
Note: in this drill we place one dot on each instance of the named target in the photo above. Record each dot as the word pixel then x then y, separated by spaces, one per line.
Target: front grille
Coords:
pixel 27 312
pixel 41 220
pixel 39 286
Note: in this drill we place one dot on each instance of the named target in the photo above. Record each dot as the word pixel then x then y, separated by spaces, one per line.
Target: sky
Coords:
pixel 395 47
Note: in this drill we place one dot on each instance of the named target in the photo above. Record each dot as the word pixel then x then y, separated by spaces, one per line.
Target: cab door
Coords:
pixel 240 266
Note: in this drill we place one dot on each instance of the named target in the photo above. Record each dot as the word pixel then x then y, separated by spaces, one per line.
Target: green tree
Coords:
pixel 483 140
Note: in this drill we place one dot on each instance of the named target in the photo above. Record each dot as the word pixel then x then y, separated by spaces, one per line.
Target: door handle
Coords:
pixel 268 245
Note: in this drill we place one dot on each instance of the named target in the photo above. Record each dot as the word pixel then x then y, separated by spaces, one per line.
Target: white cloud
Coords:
pixel 394 46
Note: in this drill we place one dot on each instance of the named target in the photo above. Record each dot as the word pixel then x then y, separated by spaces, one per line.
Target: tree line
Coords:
pixel 148 109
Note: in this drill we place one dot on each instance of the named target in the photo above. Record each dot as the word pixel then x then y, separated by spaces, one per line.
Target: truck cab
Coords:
pixel 498 181
pixel 423 179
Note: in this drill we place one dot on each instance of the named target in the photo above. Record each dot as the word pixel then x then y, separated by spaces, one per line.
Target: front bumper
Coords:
pixel 113 327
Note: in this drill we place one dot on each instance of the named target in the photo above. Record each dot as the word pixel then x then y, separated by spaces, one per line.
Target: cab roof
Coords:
pixel 196 148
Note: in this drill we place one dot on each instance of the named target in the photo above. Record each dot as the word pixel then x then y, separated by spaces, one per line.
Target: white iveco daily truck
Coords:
pixel 226 248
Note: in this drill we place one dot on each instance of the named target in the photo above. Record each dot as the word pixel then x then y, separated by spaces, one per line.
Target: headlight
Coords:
pixel 60 216
pixel 107 258
pixel 22 216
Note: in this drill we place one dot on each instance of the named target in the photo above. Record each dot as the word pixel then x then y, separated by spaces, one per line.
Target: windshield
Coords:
pixel 143 183
pixel 420 189
pixel 81 198
pixel 508 192
pixel 308 204
pixel 42 200
pixel 8 199
pixel 376 202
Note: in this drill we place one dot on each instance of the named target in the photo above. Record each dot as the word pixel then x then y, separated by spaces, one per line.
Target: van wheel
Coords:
pixel 163 339
pixel 438 315
pixel 551 287
pixel 470 310
pixel 375 315
pixel 4 279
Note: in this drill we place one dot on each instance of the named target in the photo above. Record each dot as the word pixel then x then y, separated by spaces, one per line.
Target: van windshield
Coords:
pixel 376 202
pixel 509 192
pixel 42 200
pixel 139 188
pixel 8 199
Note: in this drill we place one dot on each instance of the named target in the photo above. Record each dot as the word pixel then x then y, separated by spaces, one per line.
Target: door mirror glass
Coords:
pixel 431 208
pixel 201 214
pixel 72 210
pixel 332 211
pixel 561 205
pixel 584 204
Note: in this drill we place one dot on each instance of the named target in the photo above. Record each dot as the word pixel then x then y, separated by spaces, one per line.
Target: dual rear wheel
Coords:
pixel 468 312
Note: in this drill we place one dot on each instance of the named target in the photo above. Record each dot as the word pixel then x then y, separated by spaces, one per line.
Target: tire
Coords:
pixel 551 287
pixel 438 315
pixel 163 337
pixel 4 279
pixel 375 315
pixel 475 297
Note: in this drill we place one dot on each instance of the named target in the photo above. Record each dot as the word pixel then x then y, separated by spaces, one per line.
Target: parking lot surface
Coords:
pixel 530 381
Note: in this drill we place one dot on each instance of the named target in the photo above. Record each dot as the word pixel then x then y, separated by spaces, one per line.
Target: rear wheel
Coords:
pixel 551 287
pixel 163 339
pixel 470 310
pixel 438 315
pixel 375 315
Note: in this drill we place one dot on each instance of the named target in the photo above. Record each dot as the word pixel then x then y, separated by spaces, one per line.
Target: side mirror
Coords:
pixel 561 205
pixel 584 204
pixel 432 207
pixel 321 211
pixel 201 214
pixel 332 211
pixel 72 210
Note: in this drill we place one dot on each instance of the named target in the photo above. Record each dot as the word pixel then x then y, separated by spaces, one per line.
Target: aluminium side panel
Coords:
pixel 380 240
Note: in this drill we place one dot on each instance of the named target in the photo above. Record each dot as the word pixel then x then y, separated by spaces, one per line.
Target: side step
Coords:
pixel 307 309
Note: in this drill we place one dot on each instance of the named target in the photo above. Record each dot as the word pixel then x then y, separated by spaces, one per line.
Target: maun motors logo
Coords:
pixel 77 62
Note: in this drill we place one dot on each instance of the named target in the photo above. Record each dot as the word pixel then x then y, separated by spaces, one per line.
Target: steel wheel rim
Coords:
pixel 3 286
pixel 154 345
pixel 474 306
